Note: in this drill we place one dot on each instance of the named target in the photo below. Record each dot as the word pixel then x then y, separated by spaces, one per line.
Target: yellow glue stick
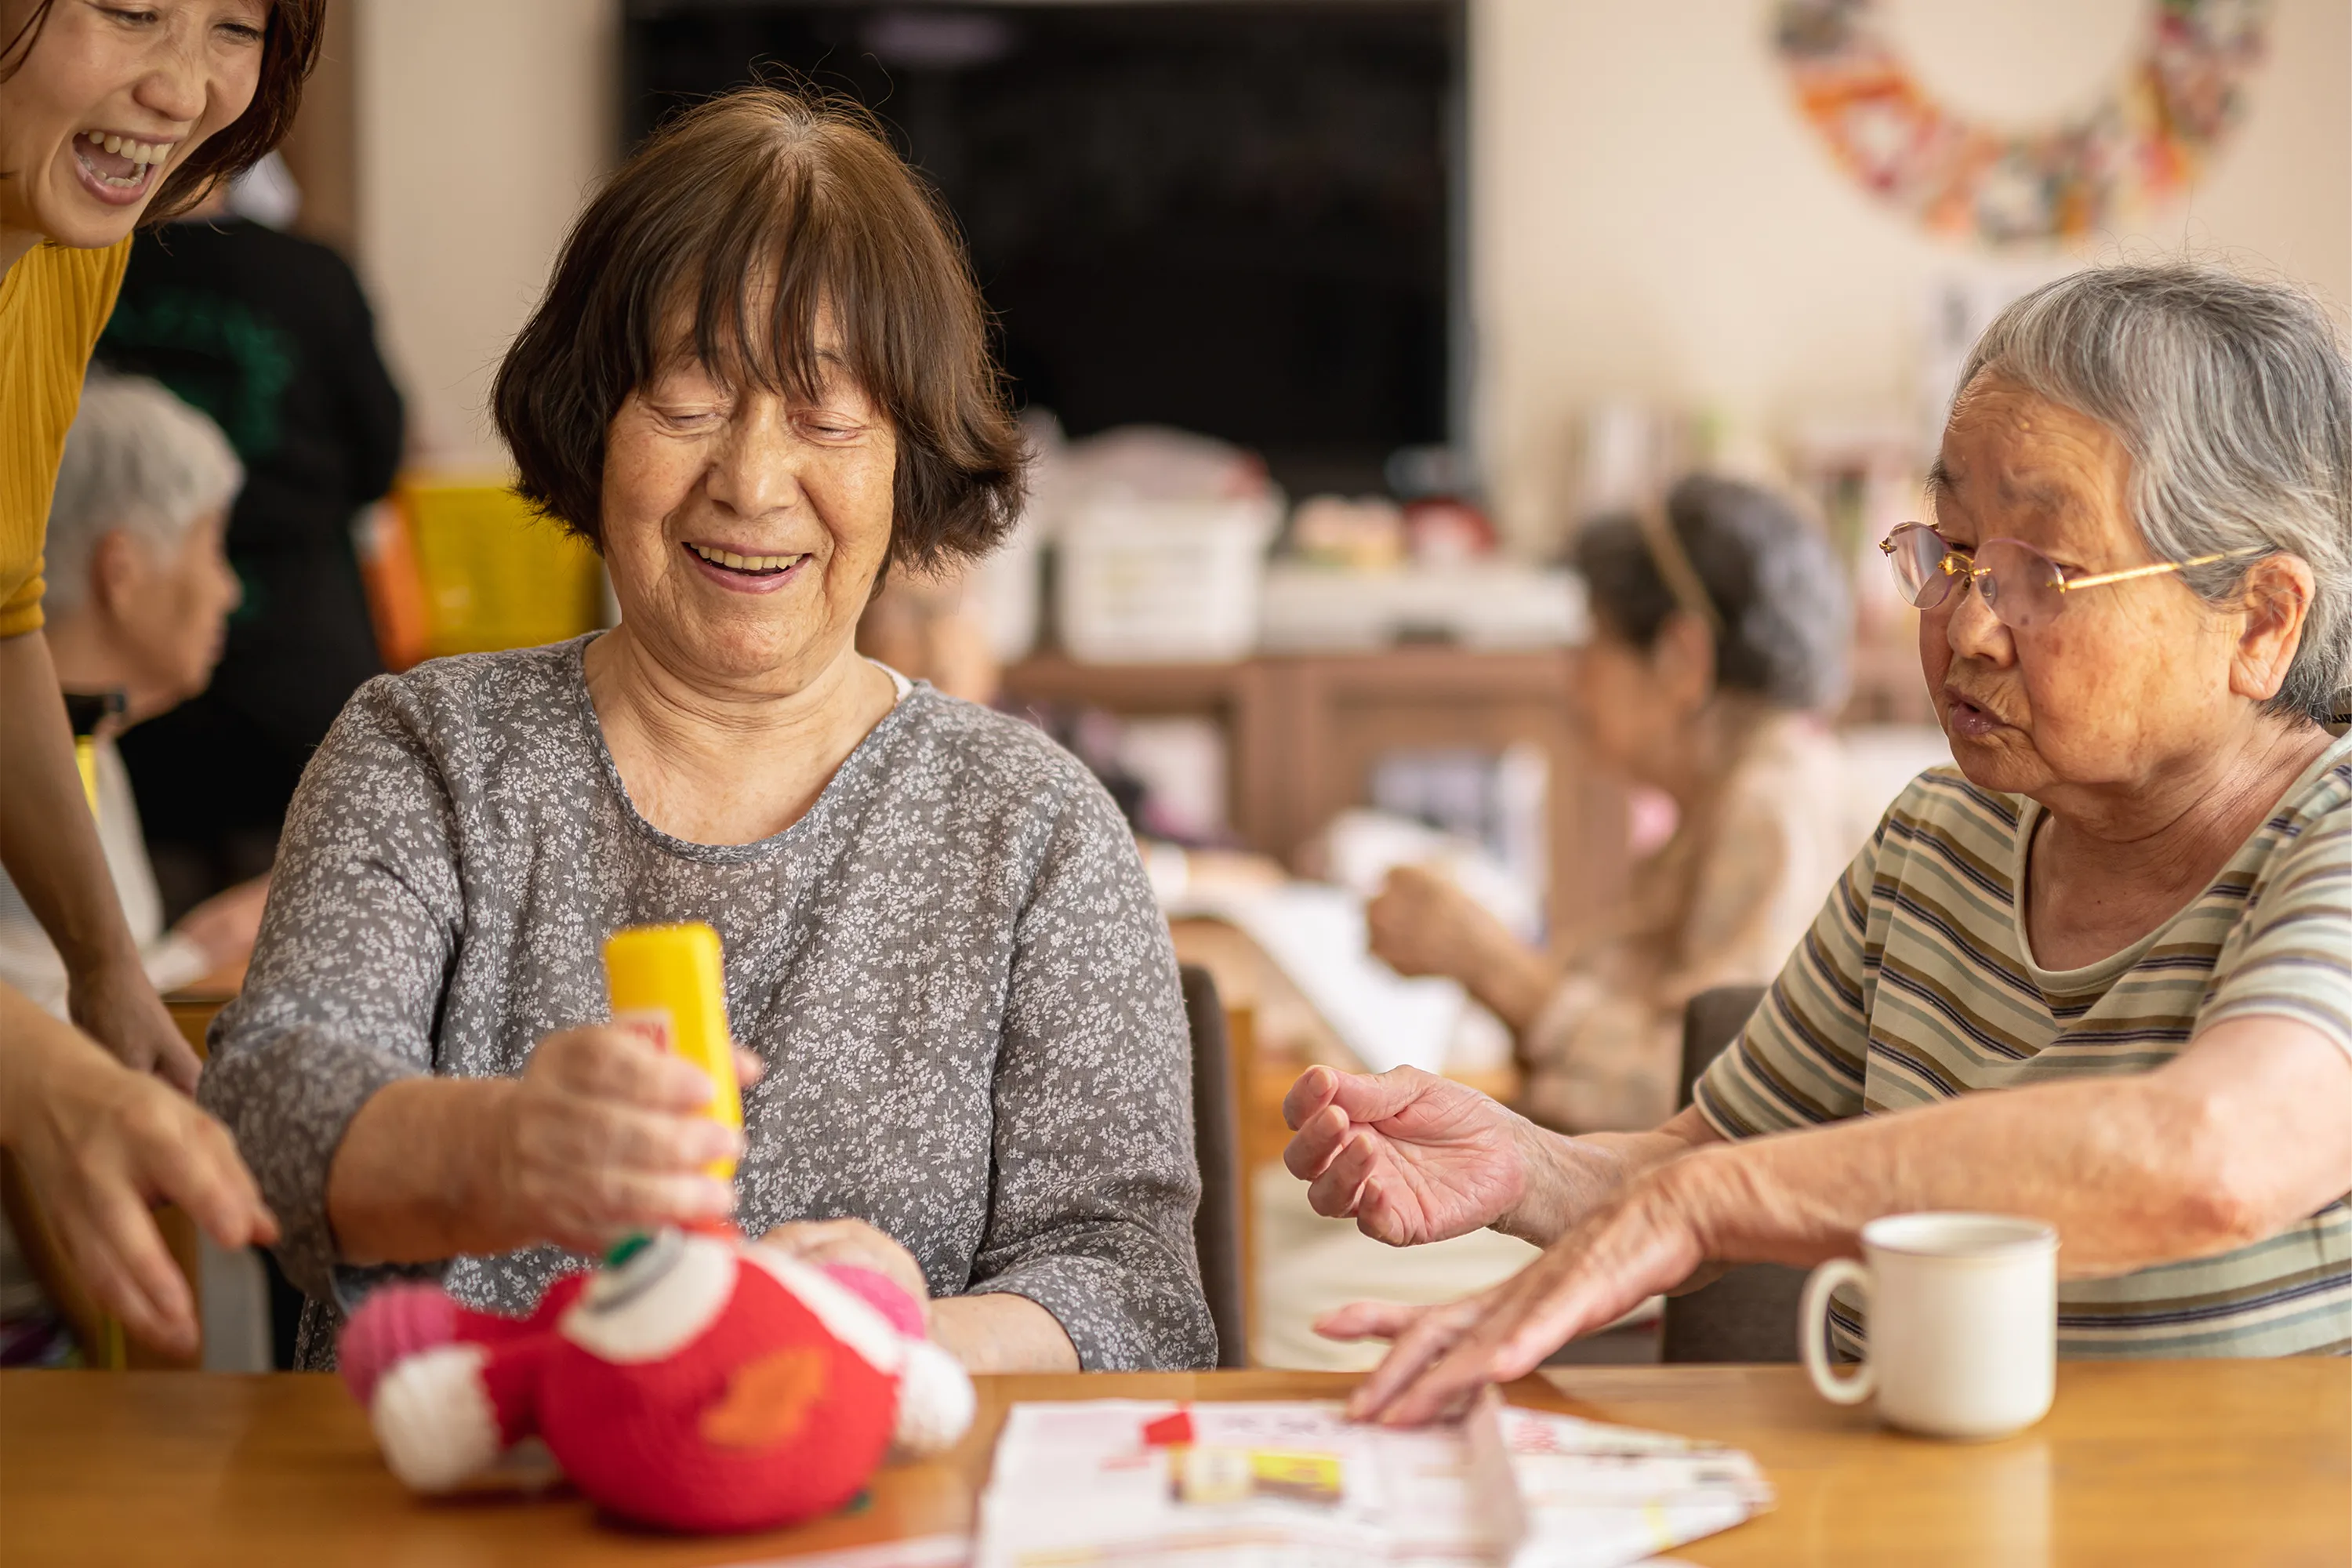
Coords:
pixel 667 985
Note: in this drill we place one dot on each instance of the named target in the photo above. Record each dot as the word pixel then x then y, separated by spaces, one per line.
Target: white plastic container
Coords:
pixel 1144 581
pixel 1478 605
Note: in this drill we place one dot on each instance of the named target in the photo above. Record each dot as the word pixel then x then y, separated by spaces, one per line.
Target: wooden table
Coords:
pixel 2140 1463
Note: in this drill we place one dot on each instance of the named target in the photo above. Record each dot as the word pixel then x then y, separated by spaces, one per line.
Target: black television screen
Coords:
pixel 1235 218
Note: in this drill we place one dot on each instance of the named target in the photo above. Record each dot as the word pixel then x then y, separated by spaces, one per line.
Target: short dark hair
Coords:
pixel 758 210
pixel 290 48
pixel 1770 575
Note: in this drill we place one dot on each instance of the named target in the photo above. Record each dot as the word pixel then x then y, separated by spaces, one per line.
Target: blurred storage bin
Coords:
pixel 493 573
pixel 1475 604
pixel 1149 581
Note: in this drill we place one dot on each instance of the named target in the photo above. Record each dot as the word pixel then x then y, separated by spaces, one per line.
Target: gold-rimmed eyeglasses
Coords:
pixel 2022 587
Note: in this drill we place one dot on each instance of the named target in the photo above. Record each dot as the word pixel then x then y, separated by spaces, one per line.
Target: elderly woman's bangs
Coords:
pixel 774 302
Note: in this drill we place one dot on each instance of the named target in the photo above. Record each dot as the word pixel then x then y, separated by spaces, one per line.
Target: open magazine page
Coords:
pixel 1295 1485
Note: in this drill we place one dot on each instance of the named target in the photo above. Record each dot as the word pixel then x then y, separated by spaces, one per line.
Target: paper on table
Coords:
pixel 1597 1496
pixel 1145 1482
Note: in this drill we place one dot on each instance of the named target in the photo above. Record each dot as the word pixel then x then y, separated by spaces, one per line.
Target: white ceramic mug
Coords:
pixel 1963 1322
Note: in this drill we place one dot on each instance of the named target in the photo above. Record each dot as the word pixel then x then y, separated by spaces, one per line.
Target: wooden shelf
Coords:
pixel 1305 732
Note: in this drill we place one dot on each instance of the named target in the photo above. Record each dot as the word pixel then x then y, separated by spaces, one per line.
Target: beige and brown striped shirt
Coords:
pixel 1915 985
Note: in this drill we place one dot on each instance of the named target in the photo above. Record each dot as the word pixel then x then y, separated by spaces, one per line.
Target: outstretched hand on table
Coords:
pixel 1414 1158
pixel 1636 1244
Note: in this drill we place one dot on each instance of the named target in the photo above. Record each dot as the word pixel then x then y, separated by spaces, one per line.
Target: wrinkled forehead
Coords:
pixel 2014 461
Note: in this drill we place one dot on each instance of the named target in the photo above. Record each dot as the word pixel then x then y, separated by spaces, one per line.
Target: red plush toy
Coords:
pixel 696 1383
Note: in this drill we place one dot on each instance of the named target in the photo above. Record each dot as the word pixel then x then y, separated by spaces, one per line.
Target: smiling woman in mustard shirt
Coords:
pixel 109 116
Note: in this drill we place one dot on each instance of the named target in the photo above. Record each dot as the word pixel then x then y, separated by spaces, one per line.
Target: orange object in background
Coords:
pixel 462 565
pixel 395 592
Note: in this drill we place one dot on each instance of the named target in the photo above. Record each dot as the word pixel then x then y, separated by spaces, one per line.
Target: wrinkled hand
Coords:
pixel 1421 922
pixel 100 1145
pixel 853 1242
pixel 603 1135
pixel 1635 1246
pixel 1411 1157
pixel 118 1008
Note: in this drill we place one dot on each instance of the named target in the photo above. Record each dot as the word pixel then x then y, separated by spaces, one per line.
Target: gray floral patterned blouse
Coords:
pixel 952 966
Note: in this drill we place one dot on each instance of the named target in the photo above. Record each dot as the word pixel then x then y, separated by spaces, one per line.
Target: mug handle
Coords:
pixel 1811 1320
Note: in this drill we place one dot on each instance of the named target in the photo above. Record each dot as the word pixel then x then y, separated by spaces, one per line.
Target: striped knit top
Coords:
pixel 53 304
pixel 1915 985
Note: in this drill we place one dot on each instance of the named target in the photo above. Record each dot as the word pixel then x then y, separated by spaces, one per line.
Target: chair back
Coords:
pixel 1750 1314
pixel 1216 1142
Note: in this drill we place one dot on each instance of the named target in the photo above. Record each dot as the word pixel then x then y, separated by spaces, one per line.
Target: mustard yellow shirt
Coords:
pixel 53 304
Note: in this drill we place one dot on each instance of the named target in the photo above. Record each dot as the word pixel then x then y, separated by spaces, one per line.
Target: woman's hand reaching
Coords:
pixel 1410 1157
pixel 1413 1158
pixel 99 1144
pixel 117 1006
pixel 1636 1244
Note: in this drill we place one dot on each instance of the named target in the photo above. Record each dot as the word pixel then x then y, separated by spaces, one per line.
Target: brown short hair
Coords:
pixel 289 49
pixel 769 187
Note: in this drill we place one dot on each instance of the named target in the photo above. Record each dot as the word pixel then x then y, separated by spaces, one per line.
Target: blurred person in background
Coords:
pixel 138 603
pixel 1720 630
pixel 138 596
pixel 271 335
pixel 923 625
pixel 108 116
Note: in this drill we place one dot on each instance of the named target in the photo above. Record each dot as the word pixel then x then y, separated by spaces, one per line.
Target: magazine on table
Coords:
pixel 1297 1485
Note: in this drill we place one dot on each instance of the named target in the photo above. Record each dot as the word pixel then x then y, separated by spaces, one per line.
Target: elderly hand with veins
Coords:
pixel 1415 1158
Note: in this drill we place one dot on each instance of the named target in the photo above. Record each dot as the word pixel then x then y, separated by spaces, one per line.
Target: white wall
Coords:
pixel 481 123
pixel 1650 216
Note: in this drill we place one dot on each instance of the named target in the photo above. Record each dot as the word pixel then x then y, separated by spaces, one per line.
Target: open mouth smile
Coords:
pixel 118 169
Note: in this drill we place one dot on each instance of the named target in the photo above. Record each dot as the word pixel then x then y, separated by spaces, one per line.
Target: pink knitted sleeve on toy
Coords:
pixel 883 1294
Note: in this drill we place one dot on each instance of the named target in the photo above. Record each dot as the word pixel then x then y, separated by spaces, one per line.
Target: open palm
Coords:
pixel 1411 1157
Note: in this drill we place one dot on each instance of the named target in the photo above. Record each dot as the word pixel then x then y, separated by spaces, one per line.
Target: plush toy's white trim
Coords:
pixel 936 1402
pixel 668 1315
pixel 845 1315
pixel 434 1420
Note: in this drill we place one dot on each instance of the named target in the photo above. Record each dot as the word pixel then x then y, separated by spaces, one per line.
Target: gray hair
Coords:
pixel 137 460
pixel 1770 576
pixel 2234 398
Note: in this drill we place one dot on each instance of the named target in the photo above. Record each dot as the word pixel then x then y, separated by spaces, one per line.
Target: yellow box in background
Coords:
pixel 493 573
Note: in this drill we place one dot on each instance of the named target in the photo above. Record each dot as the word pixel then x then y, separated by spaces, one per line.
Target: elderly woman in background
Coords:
pixel 1721 626
pixel 138 599
pixel 138 602
pixel 2130 906
pixel 757 380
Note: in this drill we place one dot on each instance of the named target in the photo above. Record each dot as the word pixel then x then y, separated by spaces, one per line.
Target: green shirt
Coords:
pixel 1915 985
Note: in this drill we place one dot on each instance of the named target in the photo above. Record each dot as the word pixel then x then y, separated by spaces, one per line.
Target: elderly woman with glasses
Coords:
pixel 2129 906
pixel 759 381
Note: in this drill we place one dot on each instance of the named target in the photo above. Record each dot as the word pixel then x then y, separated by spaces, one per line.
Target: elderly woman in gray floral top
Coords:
pixel 759 377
